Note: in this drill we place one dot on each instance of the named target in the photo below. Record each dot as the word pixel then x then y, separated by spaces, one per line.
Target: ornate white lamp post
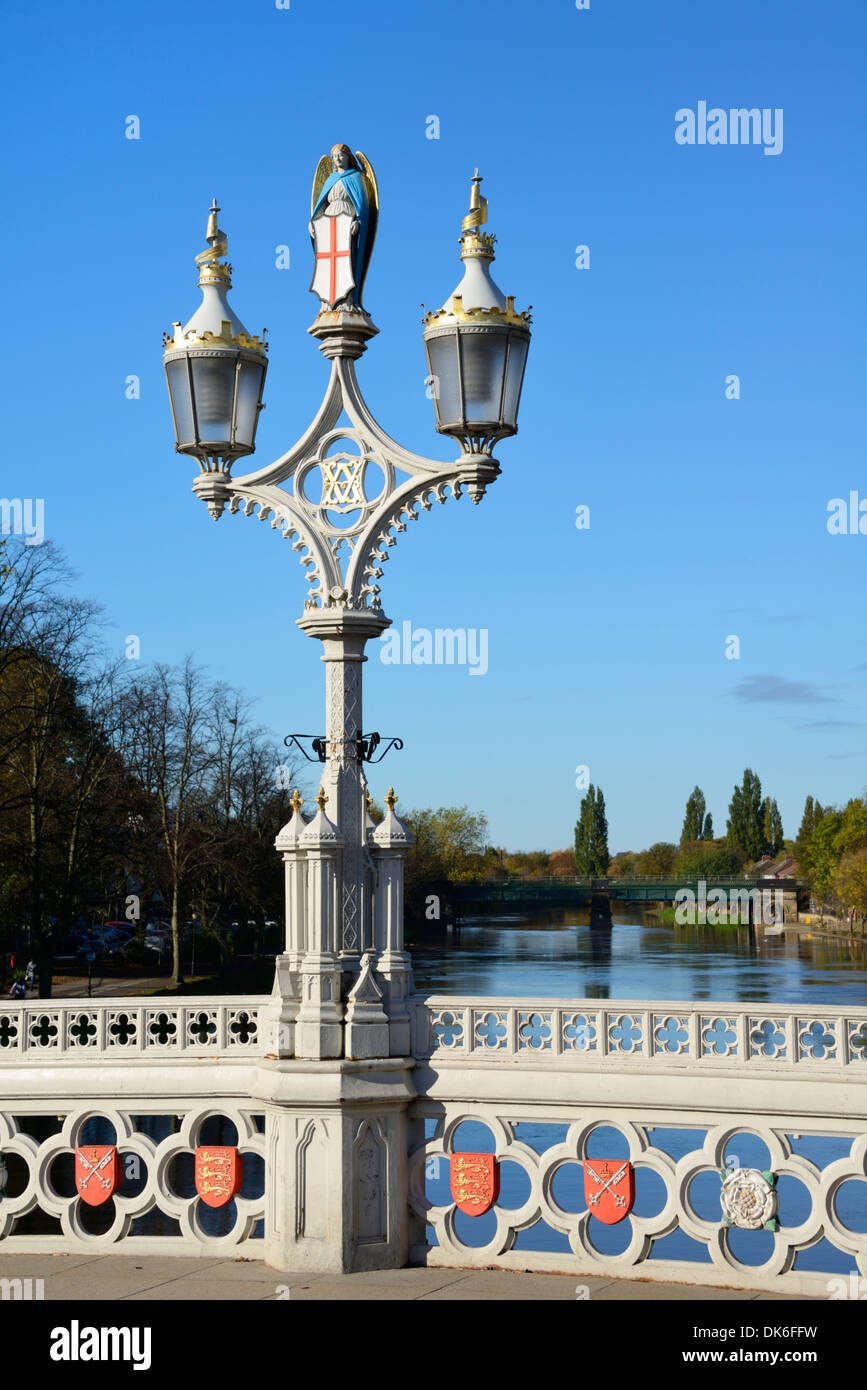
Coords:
pixel 340 496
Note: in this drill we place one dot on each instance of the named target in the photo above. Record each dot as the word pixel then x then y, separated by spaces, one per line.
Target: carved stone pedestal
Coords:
pixel 336 1137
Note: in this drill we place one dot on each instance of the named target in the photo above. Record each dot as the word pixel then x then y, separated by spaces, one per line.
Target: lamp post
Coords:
pixel 343 980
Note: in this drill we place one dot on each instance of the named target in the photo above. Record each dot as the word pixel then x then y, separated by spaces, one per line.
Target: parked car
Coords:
pixel 124 928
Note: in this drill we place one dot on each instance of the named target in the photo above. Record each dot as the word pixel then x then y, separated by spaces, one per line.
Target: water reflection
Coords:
pixel 554 953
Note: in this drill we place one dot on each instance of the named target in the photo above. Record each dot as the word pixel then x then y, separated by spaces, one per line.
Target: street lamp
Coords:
pixel 215 370
pixel 341 495
pixel 476 346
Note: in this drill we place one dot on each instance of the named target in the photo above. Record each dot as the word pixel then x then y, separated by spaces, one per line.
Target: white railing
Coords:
pixel 561 1032
pixel 686 1089
pixel 212 1026
pixel 166 1070
pixel 153 1182
pixel 684 1197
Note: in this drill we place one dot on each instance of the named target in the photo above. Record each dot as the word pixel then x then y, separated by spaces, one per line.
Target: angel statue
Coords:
pixel 343 214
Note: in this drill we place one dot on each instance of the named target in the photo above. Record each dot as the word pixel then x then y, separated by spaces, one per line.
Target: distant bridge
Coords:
pixel 550 892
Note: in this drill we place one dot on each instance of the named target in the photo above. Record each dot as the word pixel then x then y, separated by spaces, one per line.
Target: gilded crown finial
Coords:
pixel 297 801
pixel 321 799
pixel 478 212
pixel 213 233
pixel 391 799
pixel 210 269
pixel 368 800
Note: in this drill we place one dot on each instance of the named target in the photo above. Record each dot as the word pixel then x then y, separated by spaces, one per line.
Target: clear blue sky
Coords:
pixel 708 515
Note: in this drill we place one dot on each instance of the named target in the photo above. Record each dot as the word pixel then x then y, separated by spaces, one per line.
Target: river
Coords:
pixel 552 953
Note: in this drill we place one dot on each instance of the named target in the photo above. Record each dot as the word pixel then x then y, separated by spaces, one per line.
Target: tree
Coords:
pixel 852 833
pixel 813 813
pixel 850 880
pixel 623 865
pixel 697 824
pixel 658 861
pixel 449 847
pixel 772 824
pixel 745 829
pixel 591 836
pixel 822 857
pixel 172 759
pixel 708 859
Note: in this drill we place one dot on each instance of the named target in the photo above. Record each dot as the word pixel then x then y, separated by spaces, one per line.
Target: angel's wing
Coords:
pixel 323 169
pixel 373 195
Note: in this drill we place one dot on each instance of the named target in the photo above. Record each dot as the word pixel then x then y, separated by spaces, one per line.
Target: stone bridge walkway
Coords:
pixel 131 1278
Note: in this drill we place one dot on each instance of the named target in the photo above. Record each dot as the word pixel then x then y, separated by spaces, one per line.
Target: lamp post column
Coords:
pixel 344 633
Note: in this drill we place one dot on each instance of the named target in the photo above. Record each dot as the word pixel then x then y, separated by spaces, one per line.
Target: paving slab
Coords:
pixel 479 1283
pixel 789 1297
pixel 257 1272
pixel 68 1288
pixel 153 1267
pixel 205 1291
pixel 339 1288
pixel 40 1266
pixel 644 1291
pixel 416 1280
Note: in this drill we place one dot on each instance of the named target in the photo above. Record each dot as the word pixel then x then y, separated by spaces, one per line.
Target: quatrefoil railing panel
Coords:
pixel 155 1190
pixel 672 1207
pixel 562 1033
pixel 209 1027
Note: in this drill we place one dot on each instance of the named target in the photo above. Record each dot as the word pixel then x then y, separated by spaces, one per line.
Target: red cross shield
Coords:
pixel 97 1173
pixel 332 270
pixel 475 1182
pixel 218 1174
pixel 609 1188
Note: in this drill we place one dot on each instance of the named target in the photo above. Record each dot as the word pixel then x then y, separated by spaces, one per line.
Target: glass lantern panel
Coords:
pixel 214 388
pixel 483 359
pixel 514 380
pixel 247 408
pixel 442 356
pixel 179 394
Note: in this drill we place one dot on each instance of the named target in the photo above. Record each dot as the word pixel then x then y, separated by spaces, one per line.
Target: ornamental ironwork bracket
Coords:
pixel 365 746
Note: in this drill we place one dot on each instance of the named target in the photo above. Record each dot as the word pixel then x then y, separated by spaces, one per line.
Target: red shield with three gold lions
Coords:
pixel 475 1182
pixel 218 1174
pixel 609 1188
pixel 97 1173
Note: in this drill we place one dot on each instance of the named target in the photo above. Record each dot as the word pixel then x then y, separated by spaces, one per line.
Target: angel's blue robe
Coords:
pixel 355 187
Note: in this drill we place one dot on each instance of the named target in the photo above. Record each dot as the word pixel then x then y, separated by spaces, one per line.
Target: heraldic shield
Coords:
pixel 97 1173
pixel 332 274
pixel 609 1188
pixel 475 1182
pixel 218 1174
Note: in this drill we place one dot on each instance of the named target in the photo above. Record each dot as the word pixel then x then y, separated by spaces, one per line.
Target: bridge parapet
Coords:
pixel 628 1032
pixel 83 1030
pixel 339 1154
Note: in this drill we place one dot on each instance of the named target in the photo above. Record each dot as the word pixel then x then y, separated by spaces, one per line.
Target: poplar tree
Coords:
pixel 591 836
pixel 773 826
pixel 813 813
pixel 697 823
pixel 745 829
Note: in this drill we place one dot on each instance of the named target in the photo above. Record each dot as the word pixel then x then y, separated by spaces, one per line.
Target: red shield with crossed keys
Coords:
pixel 97 1173
pixel 609 1188
pixel 475 1182
pixel 218 1174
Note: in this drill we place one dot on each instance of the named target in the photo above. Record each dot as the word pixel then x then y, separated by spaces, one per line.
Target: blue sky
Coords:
pixel 707 515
